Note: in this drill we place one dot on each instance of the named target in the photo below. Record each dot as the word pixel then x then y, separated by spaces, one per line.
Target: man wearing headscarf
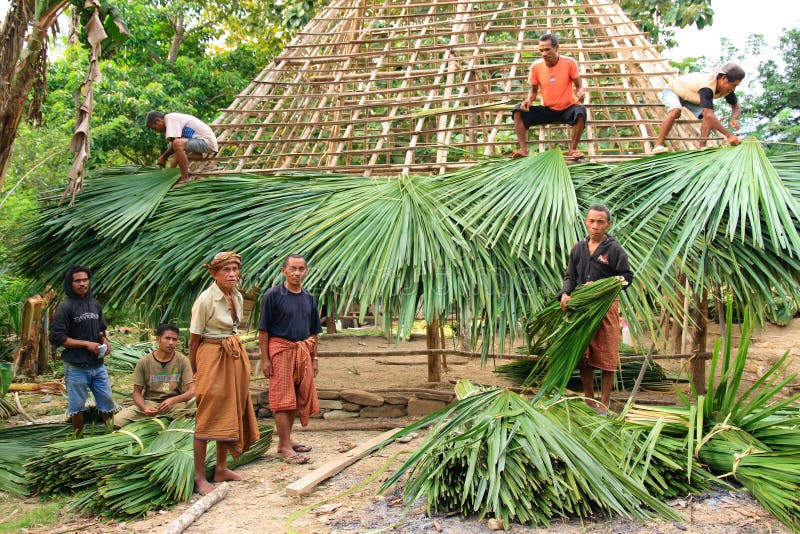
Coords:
pixel 222 373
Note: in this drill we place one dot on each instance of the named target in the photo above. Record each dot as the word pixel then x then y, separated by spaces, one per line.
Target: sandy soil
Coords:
pixel 348 502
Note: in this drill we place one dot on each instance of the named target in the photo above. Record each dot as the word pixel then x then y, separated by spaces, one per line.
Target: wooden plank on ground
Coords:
pixel 306 485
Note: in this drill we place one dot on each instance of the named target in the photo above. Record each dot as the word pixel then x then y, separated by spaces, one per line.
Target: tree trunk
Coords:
pixel 177 39
pixel 432 342
pixel 20 69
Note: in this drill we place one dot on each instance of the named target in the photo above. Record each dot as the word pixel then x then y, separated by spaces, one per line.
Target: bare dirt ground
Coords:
pixel 347 503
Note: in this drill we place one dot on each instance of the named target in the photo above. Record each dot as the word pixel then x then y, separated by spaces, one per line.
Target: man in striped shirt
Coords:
pixel 188 137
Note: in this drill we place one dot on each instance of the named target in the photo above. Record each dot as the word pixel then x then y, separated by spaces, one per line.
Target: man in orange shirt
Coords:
pixel 555 76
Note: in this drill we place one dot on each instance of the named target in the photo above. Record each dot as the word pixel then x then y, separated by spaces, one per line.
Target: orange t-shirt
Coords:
pixel 555 83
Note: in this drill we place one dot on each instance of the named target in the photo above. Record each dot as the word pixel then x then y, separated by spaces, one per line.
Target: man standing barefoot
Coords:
pixel 287 335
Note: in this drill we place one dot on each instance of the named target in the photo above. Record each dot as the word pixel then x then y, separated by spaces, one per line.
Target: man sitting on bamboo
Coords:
pixel 598 256
pixel 554 76
pixel 287 335
pixel 162 382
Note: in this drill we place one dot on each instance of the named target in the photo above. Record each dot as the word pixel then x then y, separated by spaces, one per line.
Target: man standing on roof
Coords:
pixel 287 336
pixel 554 76
pixel 188 139
pixel 598 256
pixel 697 91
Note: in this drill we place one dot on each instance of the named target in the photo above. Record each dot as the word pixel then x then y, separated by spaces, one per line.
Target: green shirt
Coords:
pixel 161 381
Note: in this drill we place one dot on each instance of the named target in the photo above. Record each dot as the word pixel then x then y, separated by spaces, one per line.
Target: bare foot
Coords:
pixel 575 154
pixel 299 447
pixel 519 154
pixel 203 486
pixel 221 475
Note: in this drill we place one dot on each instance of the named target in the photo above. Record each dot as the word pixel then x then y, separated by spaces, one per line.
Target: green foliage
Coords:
pixel 656 16
pixel 778 105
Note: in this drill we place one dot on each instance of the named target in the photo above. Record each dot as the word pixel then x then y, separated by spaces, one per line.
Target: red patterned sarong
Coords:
pixel 603 351
pixel 291 386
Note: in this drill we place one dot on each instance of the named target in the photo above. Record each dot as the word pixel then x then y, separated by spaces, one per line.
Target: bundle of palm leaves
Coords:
pixel 19 444
pixel 566 334
pixel 655 378
pixel 495 453
pixel 130 485
pixel 124 356
pixel 7 409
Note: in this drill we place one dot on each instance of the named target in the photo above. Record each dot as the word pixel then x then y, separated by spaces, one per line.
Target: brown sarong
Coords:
pixel 222 388
pixel 291 386
pixel 603 351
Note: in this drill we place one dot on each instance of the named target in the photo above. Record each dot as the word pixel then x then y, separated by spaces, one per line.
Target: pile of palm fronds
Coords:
pixel 123 357
pixel 655 377
pixel 565 335
pixel 146 465
pixel 752 437
pixel 496 454
pixel 18 444
pixel 481 242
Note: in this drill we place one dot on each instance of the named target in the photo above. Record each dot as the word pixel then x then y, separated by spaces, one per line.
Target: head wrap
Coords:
pixel 222 259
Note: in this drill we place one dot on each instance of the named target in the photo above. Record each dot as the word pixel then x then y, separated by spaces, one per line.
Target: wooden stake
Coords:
pixel 199 508
pixel 432 342
pixel 306 485
pixel 700 320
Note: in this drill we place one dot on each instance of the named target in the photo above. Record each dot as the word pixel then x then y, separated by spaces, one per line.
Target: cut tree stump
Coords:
pixel 306 485
pixel 199 508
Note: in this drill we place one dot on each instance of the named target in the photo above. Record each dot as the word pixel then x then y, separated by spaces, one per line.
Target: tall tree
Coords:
pixel 778 105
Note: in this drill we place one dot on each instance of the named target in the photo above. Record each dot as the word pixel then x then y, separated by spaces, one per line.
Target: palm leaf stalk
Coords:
pixel 7 409
pixel 566 335
pixel 496 454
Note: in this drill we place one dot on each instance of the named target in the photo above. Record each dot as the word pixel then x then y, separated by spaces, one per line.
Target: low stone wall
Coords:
pixel 353 403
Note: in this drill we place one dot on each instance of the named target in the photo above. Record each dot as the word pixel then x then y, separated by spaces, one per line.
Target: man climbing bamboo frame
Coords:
pixel 696 91
pixel 596 257
pixel 189 138
pixel 554 76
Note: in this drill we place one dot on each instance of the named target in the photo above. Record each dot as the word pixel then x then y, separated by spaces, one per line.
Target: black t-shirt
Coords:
pixel 78 318
pixel 292 316
pixel 707 98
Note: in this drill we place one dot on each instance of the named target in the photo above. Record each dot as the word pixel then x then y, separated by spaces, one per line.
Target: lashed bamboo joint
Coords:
pixel 423 86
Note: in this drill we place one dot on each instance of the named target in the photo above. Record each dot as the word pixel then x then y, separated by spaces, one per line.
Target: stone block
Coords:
pixel 443 396
pixel 339 414
pixel 423 406
pixel 395 399
pixel 387 410
pixel 255 398
pixel 363 398
pixel 328 394
pixel 264 398
pixel 351 407
pixel 330 404
pixel 264 412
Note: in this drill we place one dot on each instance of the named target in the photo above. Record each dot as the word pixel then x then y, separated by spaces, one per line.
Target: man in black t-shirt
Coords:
pixel 78 326
pixel 287 336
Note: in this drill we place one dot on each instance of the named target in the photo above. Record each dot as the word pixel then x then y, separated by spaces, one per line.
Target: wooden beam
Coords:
pixel 306 485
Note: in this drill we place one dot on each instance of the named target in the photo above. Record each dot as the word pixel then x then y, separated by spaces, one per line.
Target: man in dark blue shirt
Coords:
pixel 79 327
pixel 598 256
pixel 287 336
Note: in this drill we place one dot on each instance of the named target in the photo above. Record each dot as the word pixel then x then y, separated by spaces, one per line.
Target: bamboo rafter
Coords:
pixel 425 86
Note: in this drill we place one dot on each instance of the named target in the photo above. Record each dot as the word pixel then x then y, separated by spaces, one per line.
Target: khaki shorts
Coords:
pixel 134 413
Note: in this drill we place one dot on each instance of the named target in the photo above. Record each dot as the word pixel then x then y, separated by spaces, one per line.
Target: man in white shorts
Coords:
pixel 697 91
pixel 188 137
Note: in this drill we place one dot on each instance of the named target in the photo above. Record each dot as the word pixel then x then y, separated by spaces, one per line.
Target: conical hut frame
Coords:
pixel 387 87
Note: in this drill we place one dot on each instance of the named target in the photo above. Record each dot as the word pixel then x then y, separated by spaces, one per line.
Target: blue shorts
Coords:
pixel 195 145
pixel 80 380
pixel 671 99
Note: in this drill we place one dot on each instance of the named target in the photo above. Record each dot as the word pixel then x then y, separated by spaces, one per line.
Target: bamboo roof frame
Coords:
pixel 384 87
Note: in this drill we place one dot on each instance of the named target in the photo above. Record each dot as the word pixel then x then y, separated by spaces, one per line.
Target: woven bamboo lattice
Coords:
pixel 382 87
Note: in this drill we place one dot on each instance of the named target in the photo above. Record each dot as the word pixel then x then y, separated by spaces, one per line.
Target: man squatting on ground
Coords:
pixel 78 326
pixel 696 91
pixel 554 76
pixel 287 336
pixel 188 139
pixel 162 382
pixel 598 256
pixel 222 373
